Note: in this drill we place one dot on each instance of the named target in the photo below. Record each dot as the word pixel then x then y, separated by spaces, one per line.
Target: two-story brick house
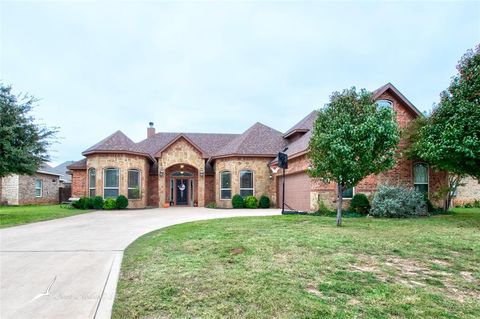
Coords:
pixel 200 168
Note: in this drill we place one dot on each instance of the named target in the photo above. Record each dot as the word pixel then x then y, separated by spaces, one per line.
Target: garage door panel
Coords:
pixel 297 191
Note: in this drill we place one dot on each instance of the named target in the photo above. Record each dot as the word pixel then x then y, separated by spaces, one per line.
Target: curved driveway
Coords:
pixel 68 267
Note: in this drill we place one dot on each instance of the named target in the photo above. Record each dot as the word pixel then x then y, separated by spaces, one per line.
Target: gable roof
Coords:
pixel 258 140
pixel 44 168
pixel 396 92
pixel 62 169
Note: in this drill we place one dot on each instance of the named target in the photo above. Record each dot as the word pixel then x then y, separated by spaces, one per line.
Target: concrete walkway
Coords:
pixel 69 267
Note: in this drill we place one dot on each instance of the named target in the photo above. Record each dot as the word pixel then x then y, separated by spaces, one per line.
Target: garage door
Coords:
pixel 297 191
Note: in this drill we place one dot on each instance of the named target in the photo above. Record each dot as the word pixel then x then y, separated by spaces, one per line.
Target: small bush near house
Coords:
pixel 323 210
pixel 467 205
pixel 400 202
pixel 212 205
pixel 122 202
pixel 264 202
pixel 430 207
pixel 360 204
pixel 237 201
pixel 476 203
pixel 81 203
pixel 109 203
pixel 90 202
pixel 98 202
pixel 251 202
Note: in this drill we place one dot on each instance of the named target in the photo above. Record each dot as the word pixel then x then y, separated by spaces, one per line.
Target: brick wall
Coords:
pixel 468 192
pixel 26 189
pixel 79 183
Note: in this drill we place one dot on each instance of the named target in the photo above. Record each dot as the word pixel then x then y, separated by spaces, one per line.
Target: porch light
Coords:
pixel 161 172
pixel 202 172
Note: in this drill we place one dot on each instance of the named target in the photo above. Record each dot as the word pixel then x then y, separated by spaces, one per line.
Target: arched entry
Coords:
pixel 182 185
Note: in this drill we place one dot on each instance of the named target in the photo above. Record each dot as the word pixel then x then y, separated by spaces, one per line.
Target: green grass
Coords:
pixel 18 215
pixel 305 267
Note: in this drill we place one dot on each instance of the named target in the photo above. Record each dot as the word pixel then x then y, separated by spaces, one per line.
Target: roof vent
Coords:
pixel 150 124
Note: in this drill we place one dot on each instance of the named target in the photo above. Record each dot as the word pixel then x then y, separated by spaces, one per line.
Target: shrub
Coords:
pixel 122 202
pixel 81 203
pixel 393 201
pixel 430 207
pixel 212 205
pixel 109 203
pixel 98 202
pixel 468 205
pixel 323 210
pixel 476 203
pixel 359 204
pixel 237 201
pixel 89 202
pixel 251 202
pixel 264 202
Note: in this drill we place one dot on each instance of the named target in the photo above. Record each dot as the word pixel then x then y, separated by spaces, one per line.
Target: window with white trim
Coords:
pixel 133 191
pixel 420 177
pixel 246 183
pixel 225 185
pixel 92 182
pixel 38 187
pixel 111 177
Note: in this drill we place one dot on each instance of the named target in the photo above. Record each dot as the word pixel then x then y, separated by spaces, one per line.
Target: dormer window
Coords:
pixel 385 103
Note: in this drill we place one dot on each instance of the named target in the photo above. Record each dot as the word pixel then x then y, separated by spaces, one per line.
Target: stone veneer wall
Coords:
pixel 152 189
pixel 181 152
pixel 9 194
pixel 261 174
pixel 209 189
pixel 123 162
pixel 468 192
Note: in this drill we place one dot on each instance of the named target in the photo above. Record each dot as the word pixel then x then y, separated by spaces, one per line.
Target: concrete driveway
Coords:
pixel 69 267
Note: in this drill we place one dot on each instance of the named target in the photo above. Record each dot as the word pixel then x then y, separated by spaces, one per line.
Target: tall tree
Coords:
pixel 449 138
pixel 23 143
pixel 352 138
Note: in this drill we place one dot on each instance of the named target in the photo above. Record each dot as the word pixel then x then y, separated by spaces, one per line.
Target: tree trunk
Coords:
pixel 339 204
pixel 453 182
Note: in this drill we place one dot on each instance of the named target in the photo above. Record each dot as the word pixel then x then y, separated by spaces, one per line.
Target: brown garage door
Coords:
pixel 297 191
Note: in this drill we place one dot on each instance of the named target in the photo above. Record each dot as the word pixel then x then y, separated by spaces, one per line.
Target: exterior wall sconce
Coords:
pixel 161 172
pixel 202 172
pixel 270 176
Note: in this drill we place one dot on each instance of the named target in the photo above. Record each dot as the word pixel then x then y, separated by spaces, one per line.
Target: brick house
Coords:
pixel 201 168
pixel 40 188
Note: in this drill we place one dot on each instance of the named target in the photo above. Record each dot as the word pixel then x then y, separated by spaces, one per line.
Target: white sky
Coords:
pixel 217 66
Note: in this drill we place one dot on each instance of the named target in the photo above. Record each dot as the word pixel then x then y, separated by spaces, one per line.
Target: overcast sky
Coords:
pixel 220 67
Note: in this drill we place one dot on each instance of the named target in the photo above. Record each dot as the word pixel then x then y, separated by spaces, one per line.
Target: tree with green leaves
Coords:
pixel 23 143
pixel 352 138
pixel 449 139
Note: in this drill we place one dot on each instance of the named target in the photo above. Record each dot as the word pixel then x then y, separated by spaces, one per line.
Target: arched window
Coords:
pixel 133 184
pixel 385 103
pixel 110 182
pixel 225 185
pixel 246 183
pixel 420 177
pixel 92 182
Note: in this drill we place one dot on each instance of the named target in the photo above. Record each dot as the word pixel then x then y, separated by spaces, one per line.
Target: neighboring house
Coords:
pixel 467 192
pixel 65 179
pixel 40 188
pixel 200 168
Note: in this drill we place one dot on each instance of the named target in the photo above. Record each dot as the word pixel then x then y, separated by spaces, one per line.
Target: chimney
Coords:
pixel 150 130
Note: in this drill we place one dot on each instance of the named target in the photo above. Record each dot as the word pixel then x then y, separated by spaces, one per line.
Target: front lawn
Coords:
pixel 305 267
pixel 18 215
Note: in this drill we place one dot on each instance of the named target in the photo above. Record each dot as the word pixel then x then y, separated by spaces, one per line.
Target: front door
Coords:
pixel 181 191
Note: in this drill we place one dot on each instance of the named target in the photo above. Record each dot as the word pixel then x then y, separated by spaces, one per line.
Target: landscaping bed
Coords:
pixel 303 267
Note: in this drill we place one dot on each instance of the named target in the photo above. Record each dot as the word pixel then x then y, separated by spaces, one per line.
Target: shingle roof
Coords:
pixel 259 140
pixel 81 164
pixel 44 168
pixel 62 169
pixel 304 125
